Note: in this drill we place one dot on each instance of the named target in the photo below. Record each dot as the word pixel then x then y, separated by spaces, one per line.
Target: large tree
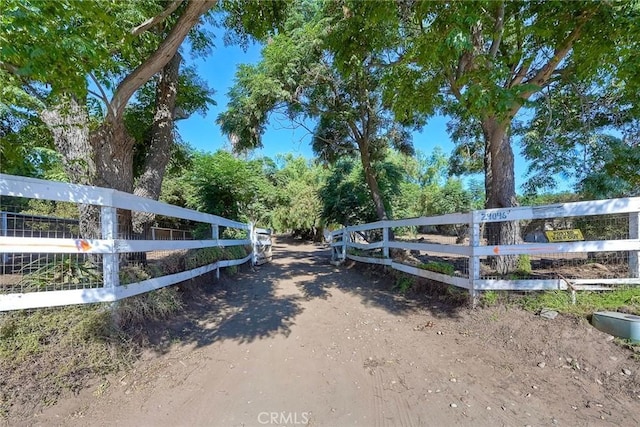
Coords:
pixel 298 77
pixel 93 39
pixel 484 61
pixel 50 49
pixel 172 95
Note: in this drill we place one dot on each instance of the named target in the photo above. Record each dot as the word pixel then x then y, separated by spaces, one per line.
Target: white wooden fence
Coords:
pixel 109 246
pixel 475 252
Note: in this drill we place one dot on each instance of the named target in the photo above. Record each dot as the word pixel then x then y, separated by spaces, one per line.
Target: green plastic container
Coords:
pixel 621 325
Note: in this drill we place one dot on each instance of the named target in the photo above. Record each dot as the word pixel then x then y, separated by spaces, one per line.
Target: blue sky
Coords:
pixel 219 68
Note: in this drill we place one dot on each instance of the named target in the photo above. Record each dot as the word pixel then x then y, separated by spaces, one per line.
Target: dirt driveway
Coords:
pixel 300 342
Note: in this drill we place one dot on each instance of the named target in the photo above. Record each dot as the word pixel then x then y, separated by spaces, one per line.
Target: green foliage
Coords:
pixel 570 138
pixel 26 147
pixel 242 25
pixel 490 298
pixel 298 78
pixel 547 199
pixel 404 283
pixel 56 43
pixel 297 207
pixel 523 266
pixel 62 271
pixel 438 267
pixel 345 195
pixel 229 187
pixel 204 256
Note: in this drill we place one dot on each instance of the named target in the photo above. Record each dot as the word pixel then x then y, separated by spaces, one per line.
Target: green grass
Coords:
pixel 438 267
pixel 524 265
pixel 404 283
pixel 586 301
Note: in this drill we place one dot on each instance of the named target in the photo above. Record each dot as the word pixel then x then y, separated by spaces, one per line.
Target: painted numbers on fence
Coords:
pixel 494 216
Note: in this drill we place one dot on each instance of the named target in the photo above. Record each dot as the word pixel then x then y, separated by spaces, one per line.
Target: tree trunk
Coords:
pixel 372 182
pixel 113 147
pixel 68 123
pixel 149 183
pixel 500 188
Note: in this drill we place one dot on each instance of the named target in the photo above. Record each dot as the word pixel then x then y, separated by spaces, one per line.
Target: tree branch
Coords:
pixel 454 87
pixel 545 72
pixel 102 95
pixel 164 53
pixel 151 22
pixel 521 74
pixel 498 30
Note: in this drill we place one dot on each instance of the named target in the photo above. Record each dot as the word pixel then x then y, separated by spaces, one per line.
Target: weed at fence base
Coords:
pixel 438 267
pixel 624 299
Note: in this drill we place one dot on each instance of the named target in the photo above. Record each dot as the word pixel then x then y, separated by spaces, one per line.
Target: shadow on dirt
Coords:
pixel 248 306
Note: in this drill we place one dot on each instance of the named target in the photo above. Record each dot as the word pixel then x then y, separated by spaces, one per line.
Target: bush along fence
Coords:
pixel 65 244
pixel 592 245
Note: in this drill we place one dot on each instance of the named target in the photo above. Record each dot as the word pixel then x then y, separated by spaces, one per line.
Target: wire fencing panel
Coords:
pixel 558 246
pixel 42 272
pixel 67 244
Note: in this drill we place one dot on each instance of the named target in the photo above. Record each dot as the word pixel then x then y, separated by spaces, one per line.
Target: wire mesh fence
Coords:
pixel 565 265
pixel 41 272
pixel 548 247
pixel 438 259
pixel 76 269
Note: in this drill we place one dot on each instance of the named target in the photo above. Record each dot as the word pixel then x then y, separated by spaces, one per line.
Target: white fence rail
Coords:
pixel 607 254
pixel 44 272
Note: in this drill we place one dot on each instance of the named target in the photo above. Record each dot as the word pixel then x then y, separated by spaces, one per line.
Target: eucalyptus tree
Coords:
pixel 298 77
pixel 484 61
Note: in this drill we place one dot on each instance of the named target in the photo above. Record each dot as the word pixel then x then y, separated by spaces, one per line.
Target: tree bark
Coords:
pixel 500 189
pixel 68 123
pixel 372 182
pixel 149 183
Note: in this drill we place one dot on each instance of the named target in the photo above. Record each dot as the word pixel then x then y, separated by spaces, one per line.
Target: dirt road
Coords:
pixel 300 342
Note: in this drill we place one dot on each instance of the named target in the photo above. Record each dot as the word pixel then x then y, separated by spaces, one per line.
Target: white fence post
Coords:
pixel 634 233
pixel 4 226
pixel 474 260
pixel 110 261
pixel 215 235
pixel 385 239
pixel 254 243
pixel 345 241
